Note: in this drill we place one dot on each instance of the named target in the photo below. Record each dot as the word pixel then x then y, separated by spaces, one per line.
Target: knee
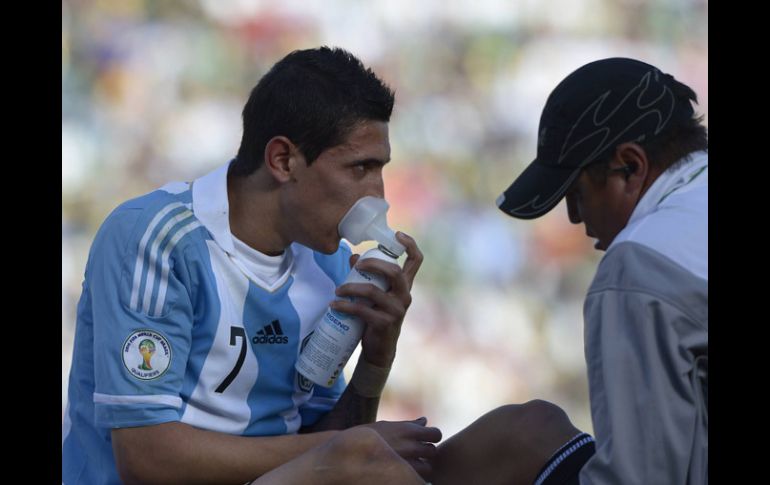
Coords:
pixel 540 414
pixel 531 421
pixel 509 444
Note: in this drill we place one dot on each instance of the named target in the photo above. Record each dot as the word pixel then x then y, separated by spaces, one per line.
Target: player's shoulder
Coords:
pixel 167 198
pixel 162 216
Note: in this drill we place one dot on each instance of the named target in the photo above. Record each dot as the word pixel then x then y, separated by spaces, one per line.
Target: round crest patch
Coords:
pixel 146 354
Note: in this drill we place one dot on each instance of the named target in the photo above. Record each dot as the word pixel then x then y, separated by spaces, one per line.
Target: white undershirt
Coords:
pixel 270 271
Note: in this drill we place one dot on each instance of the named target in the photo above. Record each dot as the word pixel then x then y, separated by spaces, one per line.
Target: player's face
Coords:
pixel 603 209
pixel 323 192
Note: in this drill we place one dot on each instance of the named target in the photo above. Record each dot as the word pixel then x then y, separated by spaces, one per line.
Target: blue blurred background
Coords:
pixel 152 91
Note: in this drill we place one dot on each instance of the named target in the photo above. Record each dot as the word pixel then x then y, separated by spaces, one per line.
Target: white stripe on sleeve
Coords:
pixel 139 266
pixel 155 248
pixel 174 401
pixel 165 266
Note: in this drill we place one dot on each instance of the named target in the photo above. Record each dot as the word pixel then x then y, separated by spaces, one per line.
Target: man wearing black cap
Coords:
pixel 619 139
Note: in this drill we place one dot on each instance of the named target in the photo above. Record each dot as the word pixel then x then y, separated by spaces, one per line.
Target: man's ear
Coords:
pixel 281 158
pixel 632 160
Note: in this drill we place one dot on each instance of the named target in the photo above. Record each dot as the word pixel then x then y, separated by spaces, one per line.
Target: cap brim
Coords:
pixel 537 190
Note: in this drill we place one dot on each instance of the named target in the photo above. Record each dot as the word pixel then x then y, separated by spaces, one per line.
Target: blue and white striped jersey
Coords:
pixel 170 327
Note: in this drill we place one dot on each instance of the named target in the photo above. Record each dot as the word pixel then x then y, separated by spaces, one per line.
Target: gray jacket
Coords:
pixel 646 339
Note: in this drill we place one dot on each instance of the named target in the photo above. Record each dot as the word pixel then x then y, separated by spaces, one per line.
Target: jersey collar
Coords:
pixel 211 206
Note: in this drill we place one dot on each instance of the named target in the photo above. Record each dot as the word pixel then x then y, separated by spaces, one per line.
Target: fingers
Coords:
pixel 413 260
pixel 413 441
pixel 420 450
pixel 411 448
pixel 377 318
pixel 429 434
pixel 386 302
pixel 424 433
pixel 353 259
pixel 420 456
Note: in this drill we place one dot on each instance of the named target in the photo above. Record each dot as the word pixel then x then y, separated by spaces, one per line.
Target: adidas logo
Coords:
pixel 272 333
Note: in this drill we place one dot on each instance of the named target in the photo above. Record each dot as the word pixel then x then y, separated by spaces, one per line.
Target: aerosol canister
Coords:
pixel 337 334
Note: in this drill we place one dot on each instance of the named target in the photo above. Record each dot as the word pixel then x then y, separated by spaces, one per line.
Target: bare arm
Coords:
pixel 179 453
pixel 383 327
pixel 351 409
pixel 358 405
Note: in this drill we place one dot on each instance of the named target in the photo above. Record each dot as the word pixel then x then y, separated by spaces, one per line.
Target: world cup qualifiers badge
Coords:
pixel 146 354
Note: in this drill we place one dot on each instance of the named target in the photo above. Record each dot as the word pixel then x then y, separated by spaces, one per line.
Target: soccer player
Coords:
pixel 198 298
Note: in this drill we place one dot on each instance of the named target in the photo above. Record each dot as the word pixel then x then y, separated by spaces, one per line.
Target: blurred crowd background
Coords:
pixel 152 91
